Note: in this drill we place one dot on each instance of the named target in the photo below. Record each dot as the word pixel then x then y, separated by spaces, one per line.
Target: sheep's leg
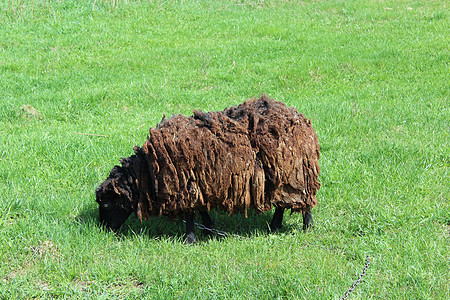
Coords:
pixel 277 219
pixel 207 222
pixel 190 236
pixel 307 219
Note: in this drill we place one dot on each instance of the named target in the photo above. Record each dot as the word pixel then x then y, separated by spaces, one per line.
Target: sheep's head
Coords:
pixel 114 199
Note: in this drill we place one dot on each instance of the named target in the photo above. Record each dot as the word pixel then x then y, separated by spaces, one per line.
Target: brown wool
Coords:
pixel 253 156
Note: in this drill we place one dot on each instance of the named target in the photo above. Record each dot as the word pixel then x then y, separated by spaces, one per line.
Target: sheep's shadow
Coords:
pixel 162 227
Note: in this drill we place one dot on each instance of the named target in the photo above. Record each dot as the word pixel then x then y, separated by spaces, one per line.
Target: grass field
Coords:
pixel 82 81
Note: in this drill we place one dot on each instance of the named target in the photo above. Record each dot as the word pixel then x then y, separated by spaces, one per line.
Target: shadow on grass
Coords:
pixel 162 227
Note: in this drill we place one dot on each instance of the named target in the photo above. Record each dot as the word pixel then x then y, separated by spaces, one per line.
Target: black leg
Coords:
pixel 190 236
pixel 308 223
pixel 207 222
pixel 277 219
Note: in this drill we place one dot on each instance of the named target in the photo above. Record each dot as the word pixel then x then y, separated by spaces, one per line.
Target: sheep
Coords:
pixel 254 156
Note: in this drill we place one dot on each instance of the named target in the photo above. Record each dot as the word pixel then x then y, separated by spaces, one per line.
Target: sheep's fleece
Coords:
pixel 258 154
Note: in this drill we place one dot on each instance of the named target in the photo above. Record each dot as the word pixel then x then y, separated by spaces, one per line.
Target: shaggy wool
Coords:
pixel 253 156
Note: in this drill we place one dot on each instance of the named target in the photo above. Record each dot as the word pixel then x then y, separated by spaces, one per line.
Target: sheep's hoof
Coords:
pixel 189 239
pixel 308 227
pixel 274 228
pixel 308 223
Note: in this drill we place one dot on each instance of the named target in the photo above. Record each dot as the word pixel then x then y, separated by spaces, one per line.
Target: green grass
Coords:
pixel 372 76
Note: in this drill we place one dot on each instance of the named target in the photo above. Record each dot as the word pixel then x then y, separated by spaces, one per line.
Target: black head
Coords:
pixel 114 199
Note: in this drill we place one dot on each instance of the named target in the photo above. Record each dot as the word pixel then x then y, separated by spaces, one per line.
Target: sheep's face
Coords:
pixel 114 208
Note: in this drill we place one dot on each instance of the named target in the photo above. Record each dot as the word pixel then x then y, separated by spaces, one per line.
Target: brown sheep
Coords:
pixel 253 156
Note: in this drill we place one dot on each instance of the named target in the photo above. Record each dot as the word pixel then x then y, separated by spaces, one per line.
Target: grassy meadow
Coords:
pixel 81 82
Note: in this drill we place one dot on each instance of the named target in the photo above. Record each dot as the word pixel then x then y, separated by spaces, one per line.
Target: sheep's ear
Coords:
pixel 98 189
pixel 97 199
pixel 136 149
pixel 115 172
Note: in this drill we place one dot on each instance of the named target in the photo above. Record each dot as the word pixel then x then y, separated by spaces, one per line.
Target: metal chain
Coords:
pixel 347 293
pixel 216 231
pixel 358 281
